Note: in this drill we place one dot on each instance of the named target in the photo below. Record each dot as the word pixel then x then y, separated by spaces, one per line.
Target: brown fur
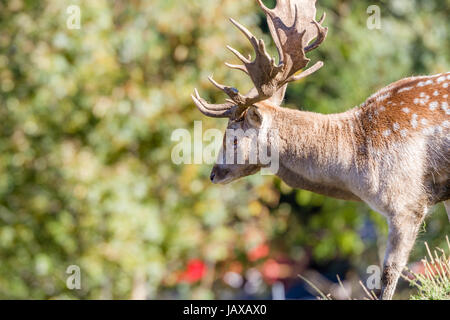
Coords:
pixel 396 160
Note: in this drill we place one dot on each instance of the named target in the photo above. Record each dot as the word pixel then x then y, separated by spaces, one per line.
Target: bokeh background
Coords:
pixel 86 176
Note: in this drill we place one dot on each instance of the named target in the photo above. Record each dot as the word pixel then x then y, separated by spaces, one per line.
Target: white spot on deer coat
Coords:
pixel 444 106
pixel 383 97
pixel 396 126
pixel 428 130
pixel 404 89
pixel 414 121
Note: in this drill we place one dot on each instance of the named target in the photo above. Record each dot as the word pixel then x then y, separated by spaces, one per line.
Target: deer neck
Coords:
pixel 316 151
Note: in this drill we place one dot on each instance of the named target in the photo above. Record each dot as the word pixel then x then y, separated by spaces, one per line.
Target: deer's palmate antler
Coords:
pixel 293 26
pixel 392 152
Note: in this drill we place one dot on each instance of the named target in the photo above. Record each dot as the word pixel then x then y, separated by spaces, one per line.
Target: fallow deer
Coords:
pixel 392 152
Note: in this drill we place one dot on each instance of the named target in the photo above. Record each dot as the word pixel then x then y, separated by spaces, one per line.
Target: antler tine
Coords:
pixel 307 72
pixel 233 93
pixel 246 32
pixel 212 110
pixel 209 106
pixel 236 67
pixel 239 55
pixel 263 7
pixel 321 34
pixel 322 18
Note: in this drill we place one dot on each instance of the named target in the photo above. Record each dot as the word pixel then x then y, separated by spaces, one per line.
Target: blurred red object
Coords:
pixel 419 268
pixel 258 252
pixel 274 270
pixel 195 271
pixel 271 270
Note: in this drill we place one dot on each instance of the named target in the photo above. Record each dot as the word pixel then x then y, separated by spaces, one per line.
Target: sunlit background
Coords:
pixel 86 176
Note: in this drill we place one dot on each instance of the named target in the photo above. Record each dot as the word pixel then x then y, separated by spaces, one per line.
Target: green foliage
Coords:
pixel 85 142
pixel 433 282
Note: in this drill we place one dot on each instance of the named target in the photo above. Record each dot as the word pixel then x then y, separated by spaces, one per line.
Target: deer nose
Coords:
pixel 212 176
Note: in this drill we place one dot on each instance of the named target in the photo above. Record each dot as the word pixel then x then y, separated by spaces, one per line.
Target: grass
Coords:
pixel 434 282
pixel 370 295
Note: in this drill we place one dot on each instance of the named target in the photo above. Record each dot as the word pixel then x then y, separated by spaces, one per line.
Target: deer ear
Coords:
pixel 254 117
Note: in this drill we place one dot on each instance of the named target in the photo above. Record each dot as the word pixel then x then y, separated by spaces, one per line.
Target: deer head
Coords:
pixel 292 26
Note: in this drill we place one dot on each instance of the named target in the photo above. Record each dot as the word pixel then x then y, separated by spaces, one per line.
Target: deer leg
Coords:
pixel 402 235
pixel 447 208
